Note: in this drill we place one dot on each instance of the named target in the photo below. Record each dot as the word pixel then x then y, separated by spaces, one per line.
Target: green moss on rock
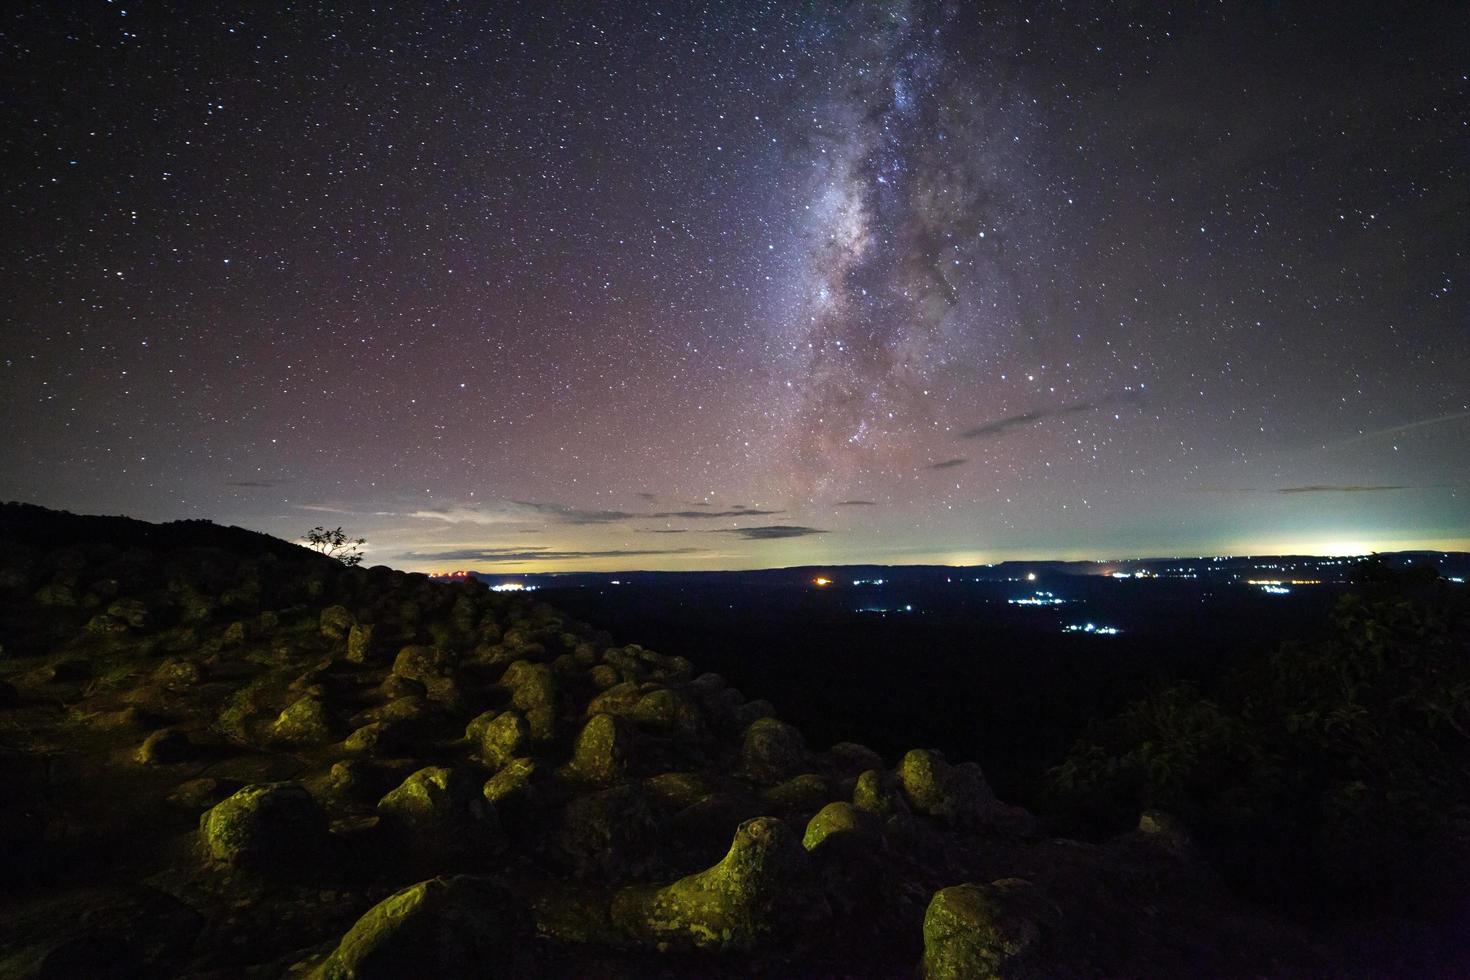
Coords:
pixel 760 888
pixel 263 825
pixel 453 928
pixel 985 932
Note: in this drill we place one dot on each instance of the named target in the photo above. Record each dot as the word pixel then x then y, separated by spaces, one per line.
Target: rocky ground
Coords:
pixel 225 756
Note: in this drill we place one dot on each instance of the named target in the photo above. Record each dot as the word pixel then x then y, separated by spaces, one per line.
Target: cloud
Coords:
pixel 857 503
pixel 255 484
pixel 1330 488
pixel 1340 488
pixel 666 530
pixel 948 463
pixel 998 427
pixel 507 556
pixel 771 532
pixel 706 514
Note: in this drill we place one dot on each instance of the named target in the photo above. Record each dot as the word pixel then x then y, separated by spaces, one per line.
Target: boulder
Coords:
pixel 164 747
pixel 806 792
pixel 978 931
pixel 534 691
pixel 264 825
pixel 609 834
pixel 603 751
pixel 772 751
pixel 879 793
pixel 851 759
pixel 305 722
pixel 836 819
pixel 439 811
pixel 456 928
pixel 133 612
pixel 360 643
pixel 957 795
pixel 504 737
pixel 335 622
pixel 762 887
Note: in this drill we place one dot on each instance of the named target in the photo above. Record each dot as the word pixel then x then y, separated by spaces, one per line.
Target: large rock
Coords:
pixel 837 820
pixel 440 811
pixel 455 928
pixel 335 623
pixel 504 737
pixel 761 887
pixel 957 795
pixel 603 751
pixel 305 722
pixel 609 834
pixel 361 645
pixel 980 932
pixel 772 750
pixel 264 825
pixel 534 690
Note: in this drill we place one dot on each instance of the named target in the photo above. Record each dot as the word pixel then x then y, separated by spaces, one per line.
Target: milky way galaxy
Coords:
pixel 612 285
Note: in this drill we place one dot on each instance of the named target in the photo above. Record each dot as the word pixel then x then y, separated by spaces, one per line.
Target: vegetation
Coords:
pixel 336 544
pixel 1333 775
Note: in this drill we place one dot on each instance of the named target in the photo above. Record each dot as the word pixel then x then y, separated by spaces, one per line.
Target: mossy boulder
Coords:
pixel 307 721
pixel 440 811
pixel 668 710
pixel 761 888
pixel 361 643
pixel 264 825
pixel 957 795
pixel 165 747
pixel 610 834
pixel 534 691
pixel 424 664
pixel 806 792
pixel 851 759
pixel 772 751
pixel 133 612
pixel 834 820
pixel 503 737
pixel 979 931
pixel 677 789
pixel 603 751
pixel 335 622
pixel 512 790
pixel 454 928
pixel 879 793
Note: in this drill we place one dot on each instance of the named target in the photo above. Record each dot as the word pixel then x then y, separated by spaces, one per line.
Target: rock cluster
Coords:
pixel 363 773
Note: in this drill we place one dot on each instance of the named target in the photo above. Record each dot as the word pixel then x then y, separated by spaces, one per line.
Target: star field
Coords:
pixel 739 285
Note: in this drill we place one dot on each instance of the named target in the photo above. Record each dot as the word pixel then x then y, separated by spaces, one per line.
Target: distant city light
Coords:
pixel 867 581
pixel 1092 628
pixel 1457 580
pixel 1276 589
pixel 1031 576
pixel 1039 599
pixel 819 581
pixel 512 587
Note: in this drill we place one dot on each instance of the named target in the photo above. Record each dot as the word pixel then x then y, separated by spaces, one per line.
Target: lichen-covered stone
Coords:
pixel 980 932
pixel 534 691
pixel 958 795
pixel 603 751
pixel 511 787
pixel 424 664
pixel 772 750
pixel 360 643
pixel 879 793
pixel 806 792
pixel 836 819
pixel 305 722
pixel 439 810
pixel 454 928
pixel 335 622
pixel 263 825
pixel 667 710
pixel 611 833
pixel 677 789
pixel 603 677
pixel 505 736
pixel 164 747
pixel 760 888
pixel 133 612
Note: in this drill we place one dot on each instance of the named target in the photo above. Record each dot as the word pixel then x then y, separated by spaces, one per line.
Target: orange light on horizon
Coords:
pixel 819 581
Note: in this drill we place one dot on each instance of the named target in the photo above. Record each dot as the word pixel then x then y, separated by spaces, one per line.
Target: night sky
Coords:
pixel 536 286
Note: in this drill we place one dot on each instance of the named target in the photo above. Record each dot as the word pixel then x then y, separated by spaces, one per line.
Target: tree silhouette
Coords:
pixel 336 544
